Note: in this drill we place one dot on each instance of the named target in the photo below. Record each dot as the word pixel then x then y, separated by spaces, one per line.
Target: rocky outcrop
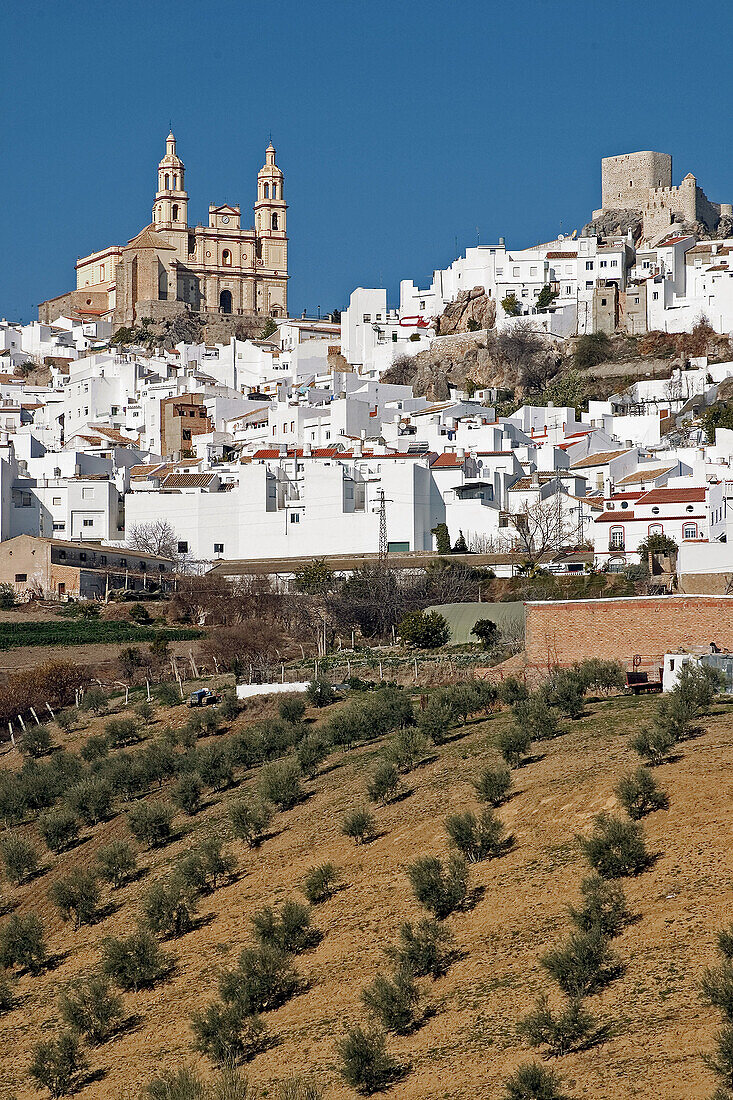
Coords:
pixel 612 222
pixel 472 306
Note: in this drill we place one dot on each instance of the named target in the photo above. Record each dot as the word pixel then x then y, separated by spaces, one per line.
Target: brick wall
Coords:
pixel 561 632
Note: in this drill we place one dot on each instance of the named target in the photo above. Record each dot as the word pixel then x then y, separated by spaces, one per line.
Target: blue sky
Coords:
pixel 401 127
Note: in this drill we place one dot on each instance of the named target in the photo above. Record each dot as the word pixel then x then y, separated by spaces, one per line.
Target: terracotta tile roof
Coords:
pixel 646 473
pixel 562 255
pixel 614 517
pixel 449 459
pixel 671 240
pixel 316 452
pixel 526 482
pixel 598 459
pixel 187 481
pixel 673 495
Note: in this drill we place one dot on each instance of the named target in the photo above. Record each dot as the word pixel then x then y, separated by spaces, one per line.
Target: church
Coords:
pixel 171 267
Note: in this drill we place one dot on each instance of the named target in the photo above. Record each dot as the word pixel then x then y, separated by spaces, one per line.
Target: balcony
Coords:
pixel 616 547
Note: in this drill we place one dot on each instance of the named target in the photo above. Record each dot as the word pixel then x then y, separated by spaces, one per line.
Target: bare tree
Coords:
pixel 154 537
pixel 541 527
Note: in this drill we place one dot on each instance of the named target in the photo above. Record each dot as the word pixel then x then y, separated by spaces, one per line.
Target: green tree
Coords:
pixel 249 819
pixel 717 415
pixel 136 961
pixel 20 857
pixel 393 1001
pixel 493 785
pixel 36 741
pixel 116 863
pixel 442 538
pixel 546 297
pixel 615 848
pixel 76 895
pixel 169 907
pixel 227 1034
pixel 365 1064
pixel 384 783
pixel 486 631
pixel 58 1064
pixel 359 825
pixel 425 949
pixel 59 828
pixel 531 1081
pixel 573 1028
pixel 639 794
pixel 441 888
pixel 188 792
pixel 582 965
pixel 315 578
pixel 151 823
pixel 513 743
pixel 424 629
pixel 22 943
pixel 477 838
pixel 511 305
pixel 90 1008
pixel 321 883
pixel 269 327
pixel 460 546
pixel 320 693
pixel 604 907
pixel 280 783
pixel 590 349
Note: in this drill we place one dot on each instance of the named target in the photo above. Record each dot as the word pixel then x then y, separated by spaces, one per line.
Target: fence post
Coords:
pixel 35 716
pixel 147 685
pixel 282 673
pixel 50 711
pixel 416 670
pixel 12 738
pixel 380 670
pixel 21 722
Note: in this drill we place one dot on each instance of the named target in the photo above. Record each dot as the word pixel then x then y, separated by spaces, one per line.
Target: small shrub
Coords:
pixel 76 896
pixel 616 848
pixel 299 1088
pixel 19 856
pixel 188 792
pixel 59 828
pixel 538 719
pixel 425 949
pixel 65 720
pixel 725 942
pixel 573 1028
pixel 7 997
pixel 169 907
pixel 58 1064
pixel 639 794
pixel 513 744
pixel 566 691
pixel 36 741
pixel 151 823
pixel 310 753
pixel 440 888
pixel 406 748
pixel 290 930
pixel 365 1064
pixel 90 1008
pixel 92 800
pixel 424 629
pixel 122 731
pixel 22 943
pixel 94 700
pixel 179 1084
pixel 721 1062
pixel 320 693
pixel 264 980
pixel 95 748
pixel 393 1001
pixel 384 783
pixel 493 785
pixel 653 745
pixel 532 1081
pixel 280 784
pixel 230 707
pixel 227 1035
pixel 134 962
pixel 477 838
pixel 512 690
pixel 291 708
pixel 435 721
pixel 206 867
pixel 321 882
pixel 359 825
pixel 168 695
pixel 583 965
pixel 717 987
pixel 249 819
pixel 604 907
pixel 116 863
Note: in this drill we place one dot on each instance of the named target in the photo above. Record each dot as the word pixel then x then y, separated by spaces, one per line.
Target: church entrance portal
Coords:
pixel 225 301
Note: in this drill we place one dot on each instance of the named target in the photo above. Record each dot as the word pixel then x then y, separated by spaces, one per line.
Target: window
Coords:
pixel 568 290
pixel 588 265
pixel 533 272
pixel 87 494
pixel 690 508
pixel 367 318
pixel 295 517
pixel 274 221
pixel 274 190
pixel 82 556
pixel 422 305
pixel 589 285
pixel 655 295
pixel 604 263
pixel 656 529
pixel 87 523
pixel 175 212
pixel 167 181
pixel 614 263
pixel 102 559
pixel 267 190
pixel 59 526
pixel 123 561
pixel 515 272
pixel 616 538
pixel 182 547
pixel 226 258
pixel 655 510
pixel 56 500
pixel 218 547
pixel 603 301
pixel 689 531
pixel 394 337
pixel 21 578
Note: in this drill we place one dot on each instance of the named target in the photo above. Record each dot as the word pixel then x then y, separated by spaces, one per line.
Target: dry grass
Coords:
pixel 660 1028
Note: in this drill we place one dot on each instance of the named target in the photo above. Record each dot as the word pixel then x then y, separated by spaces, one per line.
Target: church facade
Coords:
pixel 171 267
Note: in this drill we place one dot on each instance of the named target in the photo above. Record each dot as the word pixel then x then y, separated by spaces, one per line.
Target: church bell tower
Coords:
pixel 171 199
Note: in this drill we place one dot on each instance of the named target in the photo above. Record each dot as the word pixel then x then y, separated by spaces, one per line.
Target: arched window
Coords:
pixel 175 211
pixel 616 539
pixel 274 221
pixel 175 181
pixel 274 190
pixel 167 180
pixel 656 529
pixel 226 258
pixel 689 531
pixel 267 190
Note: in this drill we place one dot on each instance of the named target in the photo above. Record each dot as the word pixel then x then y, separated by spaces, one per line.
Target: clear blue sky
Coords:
pixel 401 126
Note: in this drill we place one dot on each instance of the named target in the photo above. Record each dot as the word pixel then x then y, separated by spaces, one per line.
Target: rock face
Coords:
pixel 470 305
pixel 615 221
pixel 447 363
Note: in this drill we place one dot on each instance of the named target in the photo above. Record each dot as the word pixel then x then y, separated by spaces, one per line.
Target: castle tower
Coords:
pixel 171 199
pixel 270 206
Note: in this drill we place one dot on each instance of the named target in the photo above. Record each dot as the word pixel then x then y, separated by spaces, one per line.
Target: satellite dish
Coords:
pixel 561 236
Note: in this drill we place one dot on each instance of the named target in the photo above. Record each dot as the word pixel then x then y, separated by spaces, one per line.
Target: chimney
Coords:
pixel 460 452
pixel 307 450
pixel 358 449
pixel 535 480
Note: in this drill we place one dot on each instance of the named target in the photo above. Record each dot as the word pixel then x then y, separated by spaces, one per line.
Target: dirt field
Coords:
pixel 660 1028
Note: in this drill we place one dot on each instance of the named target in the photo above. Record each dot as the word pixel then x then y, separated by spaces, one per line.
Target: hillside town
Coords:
pixel 566 406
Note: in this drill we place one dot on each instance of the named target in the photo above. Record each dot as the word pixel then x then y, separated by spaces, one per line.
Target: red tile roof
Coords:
pixel 673 496
pixel 449 459
pixel 562 255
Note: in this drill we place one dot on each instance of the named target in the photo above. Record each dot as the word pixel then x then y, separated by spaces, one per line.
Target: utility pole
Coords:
pixel 383 544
